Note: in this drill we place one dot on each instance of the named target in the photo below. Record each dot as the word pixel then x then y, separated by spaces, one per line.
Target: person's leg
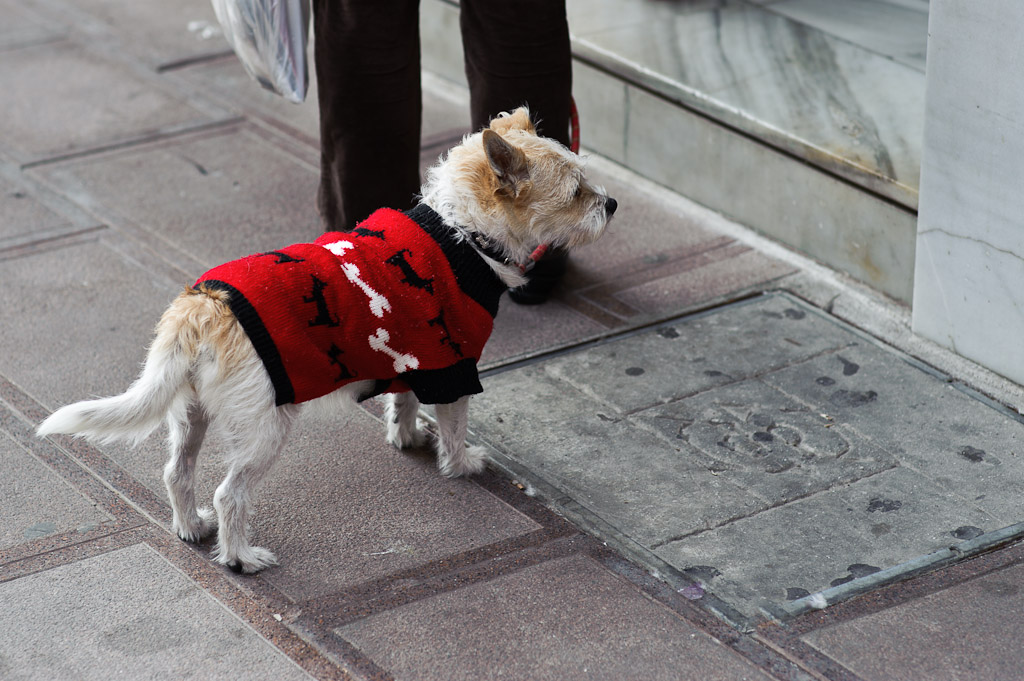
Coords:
pixel 519 53
pixel 367 57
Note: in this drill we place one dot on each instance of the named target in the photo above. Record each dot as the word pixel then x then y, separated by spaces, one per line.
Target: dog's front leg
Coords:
pixel 454 458
pixel 401 413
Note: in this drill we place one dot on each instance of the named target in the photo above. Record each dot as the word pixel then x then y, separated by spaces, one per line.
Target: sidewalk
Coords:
pixel 711 458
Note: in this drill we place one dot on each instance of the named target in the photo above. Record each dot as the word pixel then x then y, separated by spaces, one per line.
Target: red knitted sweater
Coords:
pixel 398 300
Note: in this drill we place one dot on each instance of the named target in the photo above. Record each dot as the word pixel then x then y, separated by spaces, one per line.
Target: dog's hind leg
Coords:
pixel 454 458
pixel 186 425
pixel 400 415
pixel 258 449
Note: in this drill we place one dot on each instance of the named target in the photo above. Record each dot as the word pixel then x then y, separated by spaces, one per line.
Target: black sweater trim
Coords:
pixel 474 276
pixel 259 337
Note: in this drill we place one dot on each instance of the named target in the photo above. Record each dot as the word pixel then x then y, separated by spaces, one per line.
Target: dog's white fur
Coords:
pixel 505 184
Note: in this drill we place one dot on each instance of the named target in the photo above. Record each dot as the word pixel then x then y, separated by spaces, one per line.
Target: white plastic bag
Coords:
pixel 269 37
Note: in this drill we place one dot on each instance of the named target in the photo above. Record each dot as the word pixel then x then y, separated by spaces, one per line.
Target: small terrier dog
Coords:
pixel 401 305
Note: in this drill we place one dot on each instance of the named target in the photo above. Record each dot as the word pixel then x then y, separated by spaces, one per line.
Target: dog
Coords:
pixel 402 306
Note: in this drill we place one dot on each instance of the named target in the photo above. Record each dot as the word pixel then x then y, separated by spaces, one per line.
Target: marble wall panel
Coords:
pixel 970 241
pixel 755 185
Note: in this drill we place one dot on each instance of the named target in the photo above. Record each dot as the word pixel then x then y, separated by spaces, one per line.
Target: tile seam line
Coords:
pixel 612 335
pixel 740 518
pixel 918 565
pixel 422 572
pixel 114 496
pixel 141 529
pixel 195 60
pixel 448 583
pixel 900 463
pixel 132 142
pixel 15 250
pixel 799 662
pixel 907 358
pixel 718 250
pixel 757 376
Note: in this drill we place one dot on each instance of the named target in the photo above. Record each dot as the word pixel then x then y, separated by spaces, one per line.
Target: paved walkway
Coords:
pixel 701 442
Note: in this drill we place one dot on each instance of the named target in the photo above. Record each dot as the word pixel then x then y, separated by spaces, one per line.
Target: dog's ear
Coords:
pixel 508 162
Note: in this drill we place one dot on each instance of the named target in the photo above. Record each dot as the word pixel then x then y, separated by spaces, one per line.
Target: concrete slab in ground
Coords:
pixel 163 32
pixel 807 545
pixel 62 98
pixel 34 502
pixel 23 26
pixel 761 448
pixel 969 632
pixel 23 218
pixel 445 113
pixel 343 508
pixel 67 335
pixel 960 443
pixel 200 200
pixel 766 442
pixel 563 619
pixel 128 614
pixel 680 359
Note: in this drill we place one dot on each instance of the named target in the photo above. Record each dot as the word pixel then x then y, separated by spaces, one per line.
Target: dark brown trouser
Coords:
pixel 367 56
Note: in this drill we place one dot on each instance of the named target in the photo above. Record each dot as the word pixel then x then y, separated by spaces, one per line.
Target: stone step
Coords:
pixel 801 120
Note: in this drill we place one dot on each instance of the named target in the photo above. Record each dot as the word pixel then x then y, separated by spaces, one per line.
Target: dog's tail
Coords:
pixel 134 414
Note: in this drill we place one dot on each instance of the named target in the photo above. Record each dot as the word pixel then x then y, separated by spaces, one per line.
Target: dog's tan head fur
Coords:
pixel 517 189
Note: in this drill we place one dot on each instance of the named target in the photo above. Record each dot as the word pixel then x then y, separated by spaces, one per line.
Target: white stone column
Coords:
pixel 969 273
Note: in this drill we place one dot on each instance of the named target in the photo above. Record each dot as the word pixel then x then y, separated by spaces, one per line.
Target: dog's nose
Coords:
pixel 610 205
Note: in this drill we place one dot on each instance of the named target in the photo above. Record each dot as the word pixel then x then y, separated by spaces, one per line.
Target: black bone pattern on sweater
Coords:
pixel 446 339
pixel 375 233
pixel 334 352
pixel 283 258
pixel 323 316
pixel 411 277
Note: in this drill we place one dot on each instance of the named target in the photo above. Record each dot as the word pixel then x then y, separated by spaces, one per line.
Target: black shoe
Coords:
pixel 542 279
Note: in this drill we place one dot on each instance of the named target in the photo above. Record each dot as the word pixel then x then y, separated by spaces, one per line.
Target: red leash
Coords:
pixel 574 147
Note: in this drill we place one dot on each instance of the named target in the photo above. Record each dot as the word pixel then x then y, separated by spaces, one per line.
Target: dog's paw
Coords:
pixel 248 561
pixel 202 526
pixel 469 461
pixel 406 438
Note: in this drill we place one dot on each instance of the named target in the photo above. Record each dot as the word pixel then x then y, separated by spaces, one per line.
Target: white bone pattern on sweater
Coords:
pixel 403 362
pixel 378 305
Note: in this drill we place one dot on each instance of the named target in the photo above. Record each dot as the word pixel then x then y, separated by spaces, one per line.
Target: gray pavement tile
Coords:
pixel 766 442
pixel 211 197
pixel 633 480
pixel 762 445
pixel 959 442
pixel 566 618
pixel 969 632
pixel 226 80
pixel 35 503
pixel 77 321
pixel 688 356
pixel 443 116
pixel 521 331
pixel 742 270
pixel 826 539
pixel 23 218
pixel 23 26
pixel 162 32
pixel 127 614
pixel 342 507
pixel 59 97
